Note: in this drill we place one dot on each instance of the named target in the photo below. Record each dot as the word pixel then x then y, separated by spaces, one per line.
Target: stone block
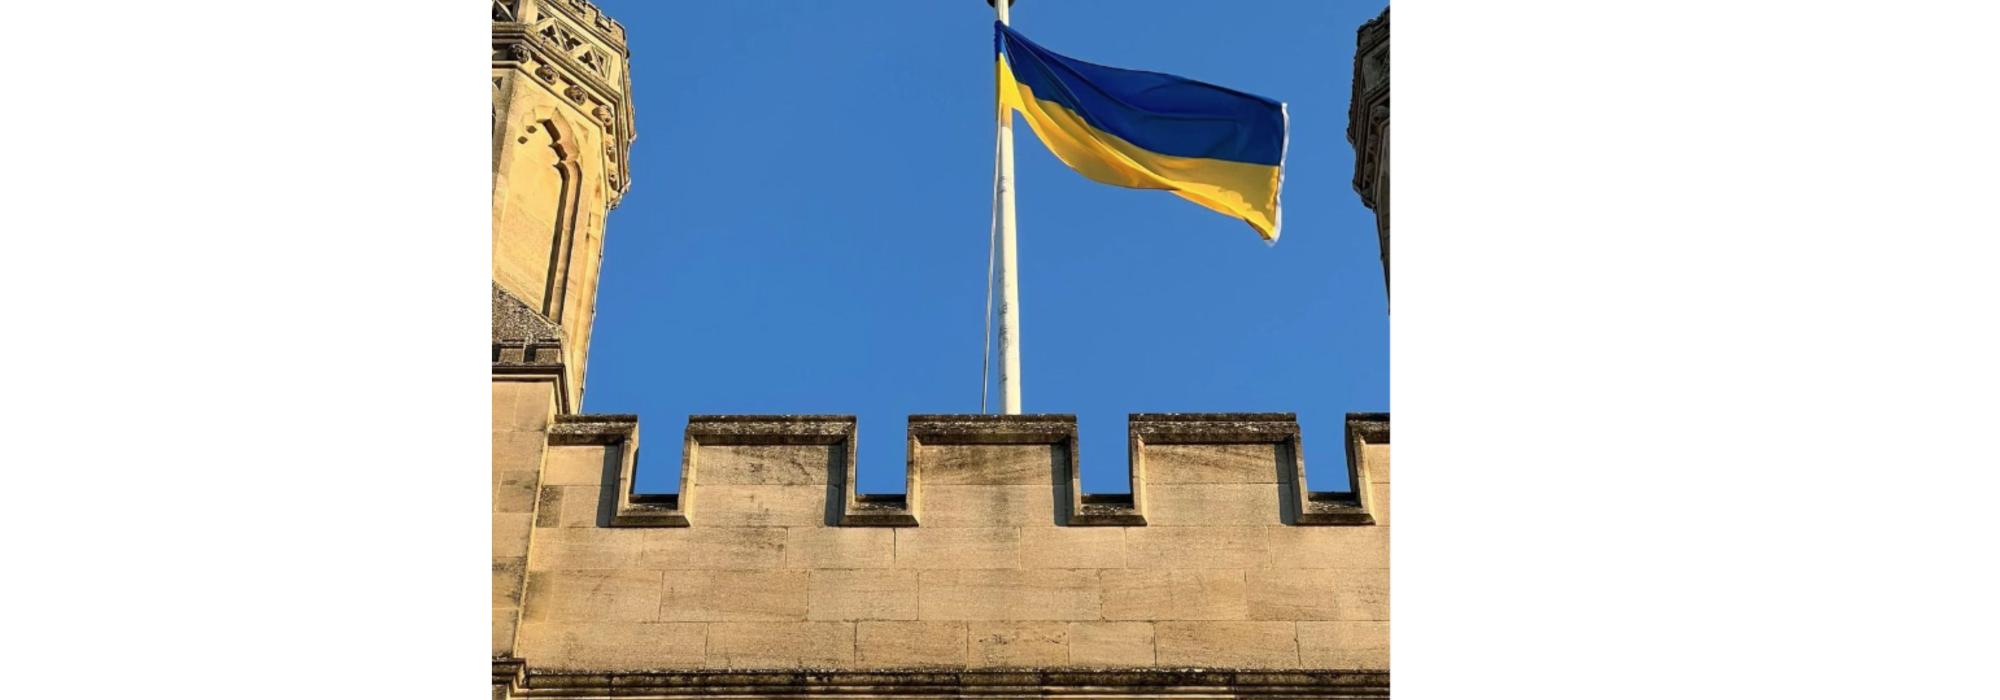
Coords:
pixel 613 646
pixel 909 644
pixel 1195 547
pixel 510 534
pixel 883 594
pixel 600 595
pixel 1380 493
pixel 1181 594
pixel 777 595
pixel 1214 464
pixel 534 406
pixel 579 465
pixel 1212 505
pixel 1017 644
pixel 514 492
pixel 508 573
pixel 794 465
pixel 1008 594
pixel 771 645
pixel 548 507
pixel 714 548
pixel 1110 644
pixel 958 548
pixel 517 452
pixel 840 547
pixel 586 548
pixel 1293 594
pixel 989 464
pixel 1072 548
pixel 981 505
pixel 506 621
pixel 580 505
pixel 1361 594
pixel 523 406
pixel 1344 645
pixel 1327 547
pixel 738 505
pixel 1377 459
pixel 1227 644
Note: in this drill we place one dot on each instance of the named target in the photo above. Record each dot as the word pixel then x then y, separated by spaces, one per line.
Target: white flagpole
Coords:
pixel 1010 298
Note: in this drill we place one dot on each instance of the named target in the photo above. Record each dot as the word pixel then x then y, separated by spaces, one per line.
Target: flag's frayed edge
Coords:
pixel 1284 149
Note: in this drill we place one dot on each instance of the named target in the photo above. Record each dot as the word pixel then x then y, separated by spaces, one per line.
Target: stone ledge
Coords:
pixel 1051 682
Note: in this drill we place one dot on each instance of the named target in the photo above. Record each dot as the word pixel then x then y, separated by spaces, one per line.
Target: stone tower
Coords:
pixel 1217 574
pixel 1368 126
pixel 562 124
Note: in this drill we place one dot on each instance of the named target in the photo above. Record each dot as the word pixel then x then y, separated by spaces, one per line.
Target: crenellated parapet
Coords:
pixel 757 466
pixel 768 560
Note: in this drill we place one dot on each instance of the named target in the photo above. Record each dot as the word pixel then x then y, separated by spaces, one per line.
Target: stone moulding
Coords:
pixel 1298 505
pixel 520 682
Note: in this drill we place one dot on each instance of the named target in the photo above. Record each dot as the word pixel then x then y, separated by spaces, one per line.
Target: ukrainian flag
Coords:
pixel 1217 147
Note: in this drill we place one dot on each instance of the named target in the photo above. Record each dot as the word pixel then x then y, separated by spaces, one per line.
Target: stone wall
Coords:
pixel 767 559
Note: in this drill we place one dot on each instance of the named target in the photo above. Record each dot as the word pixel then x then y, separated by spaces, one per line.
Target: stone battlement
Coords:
pixel 798 470
pixel 768 561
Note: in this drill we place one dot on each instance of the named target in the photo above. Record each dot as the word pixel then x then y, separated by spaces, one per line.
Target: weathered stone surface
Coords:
pixel 1293 594
pixel 909 644
pixel 736 505
pixel 1110 644
pixel 514 492
pixel 988 464
pixel 1361 645
pixel 1212 505
pixel 1380 492
pixel 1377 459
pixel 777 595
pixel 958 548
pixel 714 548
pixel 578 465
pixel 1008 594
pixel 529 406
pixel 1017 644
pixel 595 595
pixel 980 505
pixel 508 580
pixel 767 464
pixel 1182 594
pixel 1072 547
pixel 841 548
pixel 1227 644
pixel 1327 547
pixel 574 506
pixel 1195 547
pixel 510 533
pixel 614 646
pixel 1214 464
pixel 1361 594
pixel 780 644
pixel 517 452
pixel 861 594
pixel 585 548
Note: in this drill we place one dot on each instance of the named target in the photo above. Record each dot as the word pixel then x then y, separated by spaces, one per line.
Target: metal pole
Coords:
pixel 1010 298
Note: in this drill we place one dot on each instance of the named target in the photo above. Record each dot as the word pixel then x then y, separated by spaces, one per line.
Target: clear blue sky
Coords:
pixel 807 230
